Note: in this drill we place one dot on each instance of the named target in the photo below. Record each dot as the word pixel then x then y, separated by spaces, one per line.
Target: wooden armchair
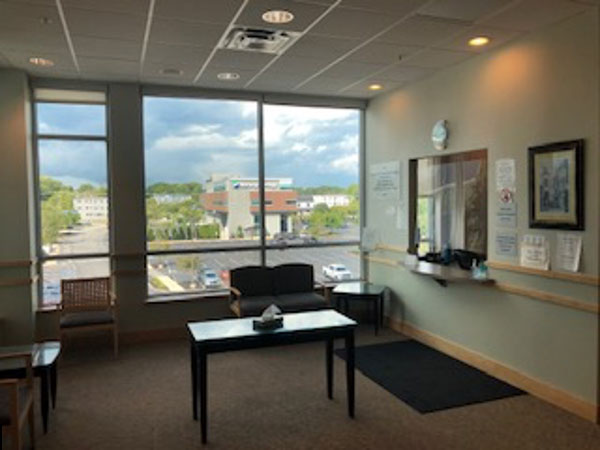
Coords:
pixel 16 404
pixel 87 305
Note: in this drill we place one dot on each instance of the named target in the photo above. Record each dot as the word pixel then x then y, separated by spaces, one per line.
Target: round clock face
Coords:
pixel 439 135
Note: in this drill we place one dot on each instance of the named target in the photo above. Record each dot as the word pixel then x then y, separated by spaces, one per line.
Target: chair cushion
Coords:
pixel 255 305
pixel 252 280
pixel 305 301
pixel 5 393
pixel 292 278
pixel 83 318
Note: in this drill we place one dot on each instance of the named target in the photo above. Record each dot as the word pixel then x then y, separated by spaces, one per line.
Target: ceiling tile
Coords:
pixel 322 47
pixel 119 6
pixel 382 53
pixel 355 70
pixel 175 54
pixel 396 7
pixel 422 31
pixel 109 66
pixel 182 33
pixel 154 70
pixel 437 59
pixel 210 11
pixel 362 89
pixel 35 41
pixel 105 24
pixel 324 85
pixel 469 10
pixel 106 48
pixel 297 65
pixel 353 23
pixel 28 17
pixel 531 14
pixel 269 81
pixel 498 37
pixel 402 74
pixel 235 59
pixel 62 62
pixel 304 14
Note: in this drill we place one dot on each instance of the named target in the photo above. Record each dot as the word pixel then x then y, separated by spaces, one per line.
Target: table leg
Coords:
pixel 44 382
pixel 202 375
pixel 53 382
pixel 329 365
pixel 377 317
pixel 350 372
pixel 194 363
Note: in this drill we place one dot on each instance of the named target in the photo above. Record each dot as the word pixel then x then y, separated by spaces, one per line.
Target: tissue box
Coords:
pixel 259 324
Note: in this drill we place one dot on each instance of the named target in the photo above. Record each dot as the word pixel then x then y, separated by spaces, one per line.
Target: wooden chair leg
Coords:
pixel 116 341
pixel 31 420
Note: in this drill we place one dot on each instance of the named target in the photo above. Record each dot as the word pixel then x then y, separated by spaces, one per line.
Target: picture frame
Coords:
pixel 556 185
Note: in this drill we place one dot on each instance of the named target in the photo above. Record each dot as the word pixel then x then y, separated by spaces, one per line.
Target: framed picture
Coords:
pixel 556 186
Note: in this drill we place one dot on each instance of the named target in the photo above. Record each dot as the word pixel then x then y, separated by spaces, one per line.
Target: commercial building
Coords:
pixel 233 202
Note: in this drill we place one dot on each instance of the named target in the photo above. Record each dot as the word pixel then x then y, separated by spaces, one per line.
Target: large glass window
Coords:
pixel 202 187
pixel 71 140
pixel 203 201
pixel 312 162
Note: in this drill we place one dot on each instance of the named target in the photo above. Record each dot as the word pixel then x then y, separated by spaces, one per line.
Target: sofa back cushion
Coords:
pixel 292 278
pixel 252 280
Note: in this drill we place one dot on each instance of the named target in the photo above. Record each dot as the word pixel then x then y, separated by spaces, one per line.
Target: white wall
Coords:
pixel 539 89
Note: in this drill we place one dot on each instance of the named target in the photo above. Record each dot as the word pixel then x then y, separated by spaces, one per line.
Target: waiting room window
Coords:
pixel 71 139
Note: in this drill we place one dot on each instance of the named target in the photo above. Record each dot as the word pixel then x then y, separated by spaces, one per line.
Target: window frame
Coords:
pixel 36 138
pixel 262 246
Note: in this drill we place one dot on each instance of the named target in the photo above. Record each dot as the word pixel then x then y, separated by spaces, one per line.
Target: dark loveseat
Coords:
pixel 289 286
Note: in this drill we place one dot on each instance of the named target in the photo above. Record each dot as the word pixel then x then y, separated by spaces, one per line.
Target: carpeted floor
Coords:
pixel 275 398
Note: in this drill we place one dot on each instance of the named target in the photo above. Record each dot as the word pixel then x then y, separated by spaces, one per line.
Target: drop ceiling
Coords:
pixel 344 45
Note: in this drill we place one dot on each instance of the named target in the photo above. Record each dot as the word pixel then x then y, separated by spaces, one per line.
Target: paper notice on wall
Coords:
pixel 535 252
pixel 506 174
pixel 386 180
pixel 369 239
pixel 506 244
pixel 568 249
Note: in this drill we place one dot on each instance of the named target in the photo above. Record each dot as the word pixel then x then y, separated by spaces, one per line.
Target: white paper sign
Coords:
pixel 369 240
pixel 385 180
pixel 505 174
pixel 506 244
pixel 535 252
pixel 568 248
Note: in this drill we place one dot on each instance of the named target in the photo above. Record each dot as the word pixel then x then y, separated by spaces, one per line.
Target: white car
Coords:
pixel 337 272
pixel 210 279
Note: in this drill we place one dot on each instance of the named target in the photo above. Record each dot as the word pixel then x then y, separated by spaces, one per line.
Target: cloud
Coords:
pixel 347 163
pixel 205 137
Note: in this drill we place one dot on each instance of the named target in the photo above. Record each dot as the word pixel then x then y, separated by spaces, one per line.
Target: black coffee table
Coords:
pixel 361 290
pixel 238 334
pixel 44 358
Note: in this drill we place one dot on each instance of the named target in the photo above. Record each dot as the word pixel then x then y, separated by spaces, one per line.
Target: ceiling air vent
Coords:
pixel 258 40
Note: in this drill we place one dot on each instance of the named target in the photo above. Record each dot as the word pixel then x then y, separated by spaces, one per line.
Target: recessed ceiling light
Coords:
pixel 43 62
pixel 171 72
pixel 46 20
pixel 479 41
pixel 277 16
pixel 375 87
pixel 228 76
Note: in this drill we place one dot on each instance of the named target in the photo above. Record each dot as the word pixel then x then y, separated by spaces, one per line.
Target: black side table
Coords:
pixel 361 290
pixel 44 357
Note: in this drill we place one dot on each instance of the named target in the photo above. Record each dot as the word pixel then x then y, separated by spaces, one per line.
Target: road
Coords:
pixel 184 269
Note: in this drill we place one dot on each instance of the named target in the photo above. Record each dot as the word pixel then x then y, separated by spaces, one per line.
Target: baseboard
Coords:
pixel 534 386
pixel 167 334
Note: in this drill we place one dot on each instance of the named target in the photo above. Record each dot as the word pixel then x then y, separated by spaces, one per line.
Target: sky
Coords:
pixel 187 140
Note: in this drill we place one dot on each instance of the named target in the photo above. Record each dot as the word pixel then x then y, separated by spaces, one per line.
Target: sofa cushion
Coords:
pixel 293 278
pixel 79 319
pixel 254 305
pixel 305 301
pixel 252 280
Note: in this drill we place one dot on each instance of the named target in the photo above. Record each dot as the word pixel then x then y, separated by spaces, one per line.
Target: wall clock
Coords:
pixel 439 135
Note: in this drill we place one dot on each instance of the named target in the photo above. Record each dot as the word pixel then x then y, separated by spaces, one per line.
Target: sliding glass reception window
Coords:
pixel 202 192
pixel 72 179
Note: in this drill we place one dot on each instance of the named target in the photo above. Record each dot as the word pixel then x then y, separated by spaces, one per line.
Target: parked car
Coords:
pixel 336 272
pixel 210 279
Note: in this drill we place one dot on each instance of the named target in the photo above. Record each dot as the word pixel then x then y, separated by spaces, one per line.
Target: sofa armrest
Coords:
pixel 234 294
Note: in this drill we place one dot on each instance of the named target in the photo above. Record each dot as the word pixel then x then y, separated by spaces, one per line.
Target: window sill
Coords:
pixel 47 309
pixel 189 297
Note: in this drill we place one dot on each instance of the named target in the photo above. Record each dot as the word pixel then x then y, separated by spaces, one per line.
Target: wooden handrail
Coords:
pixel 574 277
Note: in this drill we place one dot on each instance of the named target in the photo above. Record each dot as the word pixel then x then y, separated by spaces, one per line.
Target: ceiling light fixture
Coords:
pixel 228 76
pixel 46 20
pixel 278 16
pixel 479 41
pixel 375 87
pixel 171 72
pixel 43 62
